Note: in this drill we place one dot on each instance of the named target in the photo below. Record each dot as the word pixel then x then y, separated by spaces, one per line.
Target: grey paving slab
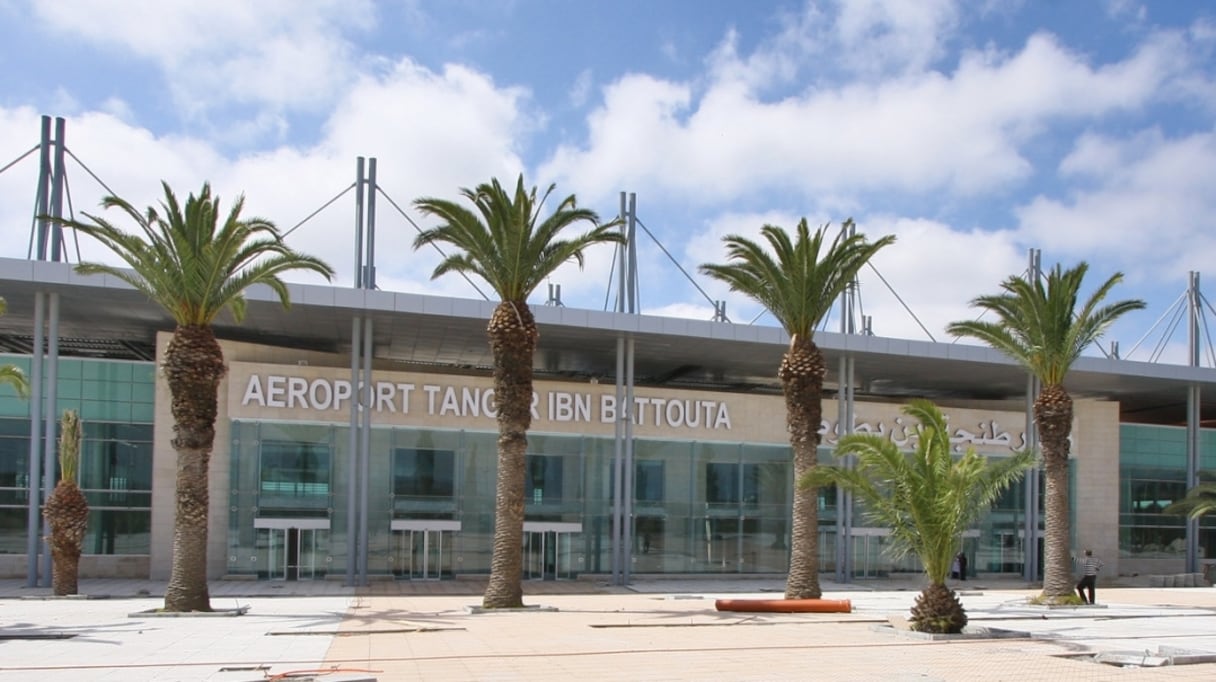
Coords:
pixel 652 630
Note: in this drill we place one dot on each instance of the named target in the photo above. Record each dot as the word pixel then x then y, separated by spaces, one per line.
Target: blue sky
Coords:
pixel 973 131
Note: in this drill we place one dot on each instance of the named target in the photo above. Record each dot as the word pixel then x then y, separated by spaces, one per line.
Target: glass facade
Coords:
pixel 698 507
pixel 1152 465
pixel 116 401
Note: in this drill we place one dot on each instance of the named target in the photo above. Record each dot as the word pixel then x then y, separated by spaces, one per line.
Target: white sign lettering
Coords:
pixel 334 395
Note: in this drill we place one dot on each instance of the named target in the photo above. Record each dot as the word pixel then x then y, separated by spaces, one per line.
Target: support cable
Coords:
pixel 901 302
pixel 17 160
pixel 324 206
pixel 677 264
pixel 1206 330
pixel 67 191
pixel 1177 302
pixel 611 268
pixel 90 172
pixel 410 220
pixel 1169 334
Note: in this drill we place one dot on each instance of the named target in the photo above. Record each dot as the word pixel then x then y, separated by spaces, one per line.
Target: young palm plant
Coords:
pixel 195 261
pixel 10 374
pixel 67 510
pixel 1039 326
pixel 797 283
pixel 506 243
pixel 1200 500
pixel 927 497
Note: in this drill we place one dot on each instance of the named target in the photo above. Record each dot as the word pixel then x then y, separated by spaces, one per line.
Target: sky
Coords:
pixel 972 131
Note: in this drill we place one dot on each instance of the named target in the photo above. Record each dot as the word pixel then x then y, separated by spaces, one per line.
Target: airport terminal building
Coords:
pixel 356 440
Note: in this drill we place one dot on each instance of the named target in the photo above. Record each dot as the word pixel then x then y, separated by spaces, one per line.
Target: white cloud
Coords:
pixel 278 53
pixel 580 90
pixel 880 36
pixel 961 133
pixel 432 133
pixel 1136 200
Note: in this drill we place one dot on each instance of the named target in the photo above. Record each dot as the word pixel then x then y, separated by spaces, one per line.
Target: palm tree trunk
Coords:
pixel 802 371
pixel 193 366
pixel 65 572
pixel 67 514
pixel 513 337
pixel 1053 414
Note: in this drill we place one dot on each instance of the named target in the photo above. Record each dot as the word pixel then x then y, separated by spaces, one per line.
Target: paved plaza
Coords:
pixel 586 630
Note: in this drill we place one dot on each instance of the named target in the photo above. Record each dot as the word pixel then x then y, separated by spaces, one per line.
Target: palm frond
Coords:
pixel 193 259
pixel 796 280
pixel 503 239
pixel 11 374
pixel 1199 501
pixel 927 497
pixel 1038 324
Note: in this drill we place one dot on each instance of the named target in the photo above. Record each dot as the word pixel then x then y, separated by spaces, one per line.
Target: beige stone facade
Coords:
pixel 278 385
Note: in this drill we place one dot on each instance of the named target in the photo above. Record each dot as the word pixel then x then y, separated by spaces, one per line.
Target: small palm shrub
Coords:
pixel 67 510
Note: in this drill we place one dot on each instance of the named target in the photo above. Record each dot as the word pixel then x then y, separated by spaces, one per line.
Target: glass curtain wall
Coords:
pixel 1152 475
pixel 698 507
pixel 115 400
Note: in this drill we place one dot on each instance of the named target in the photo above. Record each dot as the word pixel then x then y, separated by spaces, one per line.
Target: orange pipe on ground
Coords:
pixel 785 605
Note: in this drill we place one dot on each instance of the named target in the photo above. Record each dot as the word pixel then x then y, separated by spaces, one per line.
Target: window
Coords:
pixel 543 479
pixel 115 475
pixel 1152 497
pixel 295 469
pixel 648 481
pixel 424 473
pixel 722 483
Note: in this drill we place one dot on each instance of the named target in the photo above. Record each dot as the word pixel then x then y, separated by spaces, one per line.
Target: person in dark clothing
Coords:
pixel 961 560
pixel 1089 576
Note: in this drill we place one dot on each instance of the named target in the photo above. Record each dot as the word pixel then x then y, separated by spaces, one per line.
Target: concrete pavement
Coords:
pixel 652 630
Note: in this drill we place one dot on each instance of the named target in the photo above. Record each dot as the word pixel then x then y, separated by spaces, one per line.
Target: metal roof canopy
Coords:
pixel 101 316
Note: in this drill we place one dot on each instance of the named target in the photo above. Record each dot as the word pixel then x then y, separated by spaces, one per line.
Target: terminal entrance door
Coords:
pixel 549 550
pixel 868 561
pixel 292 549
pixel 423 548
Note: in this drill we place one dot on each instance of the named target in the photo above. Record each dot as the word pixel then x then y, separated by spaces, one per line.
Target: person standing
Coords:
pixel 1089 576
pixel 961 559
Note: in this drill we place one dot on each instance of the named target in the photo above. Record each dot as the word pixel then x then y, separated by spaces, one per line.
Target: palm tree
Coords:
pixel 1039 326
pixel 67 510
pixel 797 283
pixel 506 243
pixel 927 498
pixel 195 262
pixel 10 374
pixel 1199 501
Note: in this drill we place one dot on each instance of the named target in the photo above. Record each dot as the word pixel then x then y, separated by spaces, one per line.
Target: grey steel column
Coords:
pixel 844 404
pixel 352 456
pixel 627 496
pixel 1030 527
pixel 39 239
pixel 59 177
pixel 360 182
pixel 628 491
pixel 618 454
pixel 48 457
pixel 42 201
pixel 617 462
pixel 356 347
pixel 365 448
pixel 35 453
pixel 369 276
pixel 844 498
pixel 1192 423
pixel 369 282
